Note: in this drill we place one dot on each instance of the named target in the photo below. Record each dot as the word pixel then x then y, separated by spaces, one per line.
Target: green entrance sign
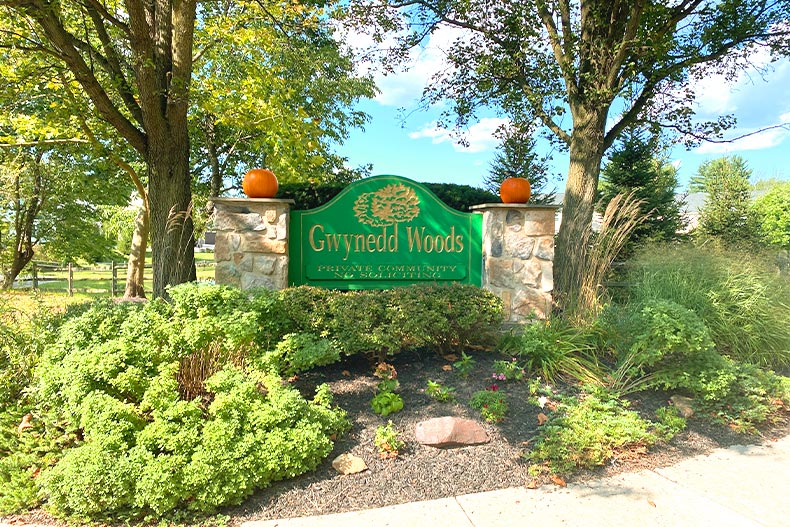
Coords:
pixel 382 232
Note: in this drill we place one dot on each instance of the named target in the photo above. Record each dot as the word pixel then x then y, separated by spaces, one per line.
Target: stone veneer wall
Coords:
pixel 518 255
pixel 251 248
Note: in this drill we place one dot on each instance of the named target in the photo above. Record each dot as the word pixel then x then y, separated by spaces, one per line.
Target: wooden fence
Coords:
pixel 100 279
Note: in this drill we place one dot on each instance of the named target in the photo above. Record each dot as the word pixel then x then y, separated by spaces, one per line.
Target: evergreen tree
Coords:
pixel 726 214
pixel 516 157
pixel 634 166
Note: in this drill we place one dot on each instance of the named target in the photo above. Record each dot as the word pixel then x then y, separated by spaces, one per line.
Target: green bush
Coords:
pixel 741 299
pixel 662 344
pixel 299 352
pixel 448 318
pixel 654 336
pixel 255 431
pixel 309 196
pixel 772 211
pixel 588 430
pixel 168 411
pixel 382 323
pixel 22 337
pixel 555 349
pixel 360 325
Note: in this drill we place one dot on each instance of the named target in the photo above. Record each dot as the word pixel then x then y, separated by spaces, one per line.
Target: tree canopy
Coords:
pixel 267 79
pixel 586 70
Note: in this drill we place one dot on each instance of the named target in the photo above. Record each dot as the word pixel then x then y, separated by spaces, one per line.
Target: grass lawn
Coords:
pixel 96 281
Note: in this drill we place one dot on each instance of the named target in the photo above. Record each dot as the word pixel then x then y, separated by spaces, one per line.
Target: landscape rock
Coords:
pixel 349 464
pixel 685 405
pixel 448 431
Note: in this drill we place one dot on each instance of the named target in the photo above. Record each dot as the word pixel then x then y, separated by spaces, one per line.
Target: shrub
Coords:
pixel 449 318
pixel 255 431
pixel 662 344
pixel 23 334
pixel 772 211
pixel 651 337
pixel 670 422
pixel 739 298
pixel 388 441
pixel 491 403
pixel 555 349
pixel 359 324
pixel 299 352
pixel 383 323
pixel 169 412
pixel 587 431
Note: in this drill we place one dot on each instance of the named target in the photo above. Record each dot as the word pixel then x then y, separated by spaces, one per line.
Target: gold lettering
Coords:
pixel 348 245
pixel 332 239
pixel 392 241
pixel 320 246
pixel 449 241
pixel 414 238
pixel 381 240
pixel 359 243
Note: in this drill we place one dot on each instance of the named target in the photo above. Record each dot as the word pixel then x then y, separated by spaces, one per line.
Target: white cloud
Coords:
pixel 717 94
pixel 477 138
pixel 751 139
pixel 756 96
pixel 404 87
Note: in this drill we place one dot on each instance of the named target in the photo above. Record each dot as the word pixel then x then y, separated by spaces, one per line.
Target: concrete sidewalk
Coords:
pixel 741 486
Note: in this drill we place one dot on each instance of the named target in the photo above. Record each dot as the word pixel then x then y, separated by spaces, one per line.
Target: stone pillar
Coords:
pixel 251 249
pixel 518 256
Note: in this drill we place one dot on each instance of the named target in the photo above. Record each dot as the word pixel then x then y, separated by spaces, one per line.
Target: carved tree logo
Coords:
pixel 392 204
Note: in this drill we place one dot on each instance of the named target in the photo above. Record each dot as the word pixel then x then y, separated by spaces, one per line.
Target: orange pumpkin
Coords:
pixel 260 183
pixel 515 190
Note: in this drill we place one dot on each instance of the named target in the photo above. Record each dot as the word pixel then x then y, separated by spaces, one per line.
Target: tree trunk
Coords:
pixel 209 128
pixel 586 152
pixel 170 201
pixel 26 211
pixel 23 253
pixel 135 265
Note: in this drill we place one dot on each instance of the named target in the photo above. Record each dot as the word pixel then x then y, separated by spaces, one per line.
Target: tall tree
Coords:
pixel 40 105
pixel 608 64
pixel 772 213
pixel 517 157
pixel 134 62
pixel 635 165
pixel 726 214
pixel 294 88
pixel 286 116
pixel 291 92
pixel 49 196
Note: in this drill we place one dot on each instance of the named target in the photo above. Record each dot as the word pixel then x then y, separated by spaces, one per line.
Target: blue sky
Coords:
pixel 404 140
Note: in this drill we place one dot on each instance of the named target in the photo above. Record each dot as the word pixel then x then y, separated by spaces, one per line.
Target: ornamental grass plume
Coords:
pixel 621 217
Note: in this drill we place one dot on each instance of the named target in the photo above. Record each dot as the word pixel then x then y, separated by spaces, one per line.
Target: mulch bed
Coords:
pixel 422 472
